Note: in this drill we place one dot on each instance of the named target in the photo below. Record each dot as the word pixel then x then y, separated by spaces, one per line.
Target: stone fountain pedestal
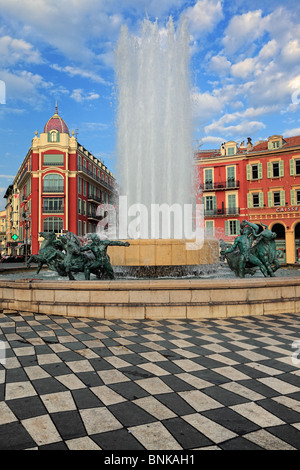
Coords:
pixel 164 258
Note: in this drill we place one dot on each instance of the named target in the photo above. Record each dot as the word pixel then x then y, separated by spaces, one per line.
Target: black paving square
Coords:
pixel 48 385
pixel 187 436
pixel 239 443
pixel 28 407
pixel 287 433
pixel 120 440
pixel 283 412
pixel 231 420
pixel 84 398
pixel 130 414
pixel 13 436
pixel 129 390
pixel 175 403
pixel 69 424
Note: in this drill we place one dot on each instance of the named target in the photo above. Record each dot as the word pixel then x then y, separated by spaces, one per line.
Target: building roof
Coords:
pixel 56 123
pixel 260 146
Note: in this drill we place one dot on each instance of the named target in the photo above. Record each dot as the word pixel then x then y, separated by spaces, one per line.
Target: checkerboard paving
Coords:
pixel 81 383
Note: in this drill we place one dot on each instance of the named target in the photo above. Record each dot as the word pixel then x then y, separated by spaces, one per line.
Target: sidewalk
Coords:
pixel 72 383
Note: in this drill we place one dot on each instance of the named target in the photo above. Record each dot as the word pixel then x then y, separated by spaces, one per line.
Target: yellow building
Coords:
pixel 2 232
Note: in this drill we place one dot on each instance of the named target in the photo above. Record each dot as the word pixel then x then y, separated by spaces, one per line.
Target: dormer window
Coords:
pixel 230 148
pixel 53 136
pixel 275 142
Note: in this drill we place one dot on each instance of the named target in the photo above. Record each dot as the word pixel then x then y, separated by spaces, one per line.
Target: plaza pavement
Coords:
pixel 170 385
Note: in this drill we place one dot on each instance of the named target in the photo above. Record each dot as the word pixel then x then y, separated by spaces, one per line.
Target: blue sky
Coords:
pixel 245 69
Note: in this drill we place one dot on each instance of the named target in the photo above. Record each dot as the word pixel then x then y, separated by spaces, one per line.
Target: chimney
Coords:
pixel 249 145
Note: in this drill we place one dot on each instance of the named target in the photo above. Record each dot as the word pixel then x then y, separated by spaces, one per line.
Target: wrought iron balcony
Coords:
pixel 229 211
pixel 219 185
pixel 53 189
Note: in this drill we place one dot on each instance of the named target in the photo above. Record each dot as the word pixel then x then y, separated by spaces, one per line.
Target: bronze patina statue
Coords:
pixel 101 264
pixel 65 255
pixel 49 254
pixel 252 249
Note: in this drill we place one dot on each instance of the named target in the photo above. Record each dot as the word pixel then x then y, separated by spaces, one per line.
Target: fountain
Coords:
pixel 155 160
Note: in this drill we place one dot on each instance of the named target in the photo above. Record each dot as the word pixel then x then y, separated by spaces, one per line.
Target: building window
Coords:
pixel 53 183
pixel 232 227
pixel 275 167
pixel 209 228
pixel 79 228
pixel 298 196
pixel 297 167
pixel 208 178
pixel 254 171
pixel 53 224
pixel 209 205
pixel 276 198
pixel 231 204
pixel 230 176
pixel 231 151
pixel 53 205
pixel 53 136
pixel 53 159
pixel 255 200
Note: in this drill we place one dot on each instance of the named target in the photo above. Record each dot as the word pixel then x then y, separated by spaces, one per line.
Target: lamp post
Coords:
pixel 26 220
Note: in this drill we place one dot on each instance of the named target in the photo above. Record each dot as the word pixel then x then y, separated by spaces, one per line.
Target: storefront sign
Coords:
pixel 287 209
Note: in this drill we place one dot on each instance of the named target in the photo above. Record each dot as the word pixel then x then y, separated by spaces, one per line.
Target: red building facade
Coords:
pixel 260 183
pixel 60 186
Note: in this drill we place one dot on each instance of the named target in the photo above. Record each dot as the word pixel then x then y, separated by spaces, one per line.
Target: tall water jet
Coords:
pixel 154 141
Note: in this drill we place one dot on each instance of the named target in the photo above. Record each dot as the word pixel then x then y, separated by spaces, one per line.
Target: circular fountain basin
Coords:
pixel 138 299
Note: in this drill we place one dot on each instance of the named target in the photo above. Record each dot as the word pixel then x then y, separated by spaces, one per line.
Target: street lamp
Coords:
pixel 26 220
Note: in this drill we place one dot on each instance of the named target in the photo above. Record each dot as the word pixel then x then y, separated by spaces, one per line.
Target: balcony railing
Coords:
pixel 221 185
pixel 93 198
pixel 93 216
pixel 47 210
pixel 95 177
pixel 52 189
pixel 222 212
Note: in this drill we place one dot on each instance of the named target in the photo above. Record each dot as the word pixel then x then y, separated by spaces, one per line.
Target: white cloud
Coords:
pixel 205 105
pixel 204 16
pixel 291 51
pixel 76 71
pixel 219 64
pixel 243 29
pixel 291 132
pixel 239 130
pixel 25 86
pixel 244 68
pixel 79 96
pixel 14 50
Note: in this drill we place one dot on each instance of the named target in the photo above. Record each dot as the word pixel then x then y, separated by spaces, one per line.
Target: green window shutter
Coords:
pixel 238 224
pixel 248 172
pixel 270 201
pixel 281 168
pixel 49 137
pixel 261 199
pixel 270 145
pixel 260 174
pixel 282 198
pixel 214 202
pixel 293 197
pixel 269 170
pixel 58 137
pixel 226 227
pixel 292 167
pixel 249 200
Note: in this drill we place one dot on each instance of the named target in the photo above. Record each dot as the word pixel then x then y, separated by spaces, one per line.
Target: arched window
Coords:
pixel 53 224
pixel 53 183
pixel 53 136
